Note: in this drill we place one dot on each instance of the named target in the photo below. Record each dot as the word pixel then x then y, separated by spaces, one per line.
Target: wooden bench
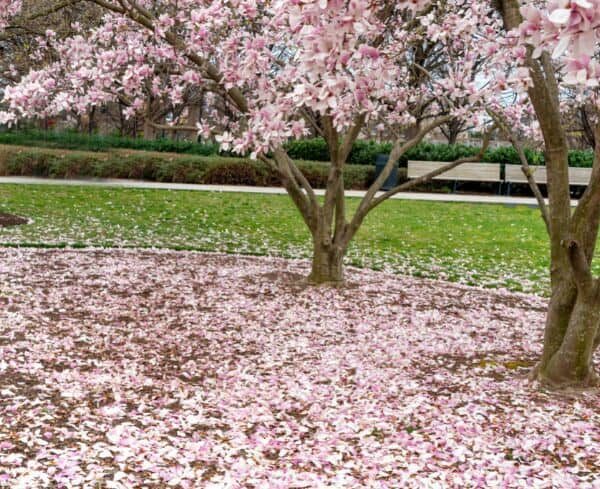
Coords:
pixel 467 172
pixel 514 174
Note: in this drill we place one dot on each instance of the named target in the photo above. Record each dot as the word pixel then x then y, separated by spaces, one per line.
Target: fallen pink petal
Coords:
pixel 175 369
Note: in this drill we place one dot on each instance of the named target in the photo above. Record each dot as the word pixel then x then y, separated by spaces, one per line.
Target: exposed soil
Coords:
pixel 7 220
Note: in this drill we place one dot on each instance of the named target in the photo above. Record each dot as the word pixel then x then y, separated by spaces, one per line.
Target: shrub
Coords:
pixel 308 149
pixel 85 142
pixel 234 173
pixel 581 159
pixel 162 167
pixel 363 152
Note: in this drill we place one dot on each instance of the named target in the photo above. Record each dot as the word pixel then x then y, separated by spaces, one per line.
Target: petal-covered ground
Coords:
pixel 159 369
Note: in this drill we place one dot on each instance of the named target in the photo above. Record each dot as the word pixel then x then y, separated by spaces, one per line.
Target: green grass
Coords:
pixel 487 245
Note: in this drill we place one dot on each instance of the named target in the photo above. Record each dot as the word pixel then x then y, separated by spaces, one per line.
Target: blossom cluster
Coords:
pixel 9 8
pixel 570 29
pixel 288 59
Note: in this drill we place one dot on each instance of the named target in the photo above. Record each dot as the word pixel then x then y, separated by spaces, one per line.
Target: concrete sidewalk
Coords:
pixel 140 184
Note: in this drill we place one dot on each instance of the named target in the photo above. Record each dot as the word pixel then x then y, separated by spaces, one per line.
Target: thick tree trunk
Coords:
pixel 327 265
pixel 571 334
pixel 571 365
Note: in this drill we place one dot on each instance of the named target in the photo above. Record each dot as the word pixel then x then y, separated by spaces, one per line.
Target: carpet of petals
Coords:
pixel 158 369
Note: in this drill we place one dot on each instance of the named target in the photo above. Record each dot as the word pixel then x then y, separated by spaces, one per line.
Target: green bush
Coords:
pixel 168 168
pixel 363 152
pixel 308 149
pixel 581 159
pixel 236 173
pixel 84 142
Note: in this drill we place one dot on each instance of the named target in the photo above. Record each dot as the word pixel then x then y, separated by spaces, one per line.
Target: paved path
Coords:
pixel 118 183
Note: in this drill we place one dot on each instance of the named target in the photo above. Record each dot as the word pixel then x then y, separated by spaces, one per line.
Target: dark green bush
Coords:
pixel 308 149
pixel 152 166
pixel 84 142
pixel 581 159
pixel 363 152
pixel 235 173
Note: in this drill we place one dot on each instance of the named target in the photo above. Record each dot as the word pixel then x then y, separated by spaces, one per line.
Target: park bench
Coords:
pixel 514 174
pixel 467 172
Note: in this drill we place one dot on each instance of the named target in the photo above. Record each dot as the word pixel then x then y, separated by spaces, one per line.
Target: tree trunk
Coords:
pixel 149 132
pixel 560 309
pixel 571 334
pixel 193 119
pixel 571 365
pixel 327 262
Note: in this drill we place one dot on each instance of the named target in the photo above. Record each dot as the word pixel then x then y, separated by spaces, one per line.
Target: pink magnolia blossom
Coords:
pixel 287 58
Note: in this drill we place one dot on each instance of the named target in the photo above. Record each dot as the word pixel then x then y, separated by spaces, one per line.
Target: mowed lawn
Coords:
pixel 486 245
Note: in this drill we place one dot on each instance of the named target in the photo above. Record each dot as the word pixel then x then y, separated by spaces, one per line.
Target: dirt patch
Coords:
pixel 7 220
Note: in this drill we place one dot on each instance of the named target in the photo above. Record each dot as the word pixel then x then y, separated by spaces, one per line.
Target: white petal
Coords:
pixel 561 47
pixel 560 16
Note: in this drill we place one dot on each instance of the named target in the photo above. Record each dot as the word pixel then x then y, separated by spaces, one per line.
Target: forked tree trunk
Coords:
pixel 332 232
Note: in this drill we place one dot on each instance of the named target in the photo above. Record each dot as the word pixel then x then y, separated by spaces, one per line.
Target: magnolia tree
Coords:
pixel 558 44
pixel 284 68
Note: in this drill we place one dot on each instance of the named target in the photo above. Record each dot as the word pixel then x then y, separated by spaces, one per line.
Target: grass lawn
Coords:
pixel 487 245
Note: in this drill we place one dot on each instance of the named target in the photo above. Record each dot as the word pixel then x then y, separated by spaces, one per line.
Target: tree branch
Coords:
pixel 300 178
pixel 579 264
pixel 431 175
pixel 518 145
pixel 398 150
pixel 300 199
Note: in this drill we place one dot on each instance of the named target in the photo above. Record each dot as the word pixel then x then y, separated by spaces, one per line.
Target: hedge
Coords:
pixel 163 167
pixel 84 142
pixel 363 152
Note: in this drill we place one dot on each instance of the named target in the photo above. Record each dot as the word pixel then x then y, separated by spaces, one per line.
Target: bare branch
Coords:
pixel 431 175
pixel 351 136
pixel 518 145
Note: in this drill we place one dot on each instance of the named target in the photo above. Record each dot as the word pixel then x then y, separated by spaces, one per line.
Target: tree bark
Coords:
pixel 327 262
pixel 571 365
pixel 149 132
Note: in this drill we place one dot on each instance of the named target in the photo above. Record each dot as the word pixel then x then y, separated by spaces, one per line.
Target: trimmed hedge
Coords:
pixel 163 167
pixel 84 142
pixel 363 152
